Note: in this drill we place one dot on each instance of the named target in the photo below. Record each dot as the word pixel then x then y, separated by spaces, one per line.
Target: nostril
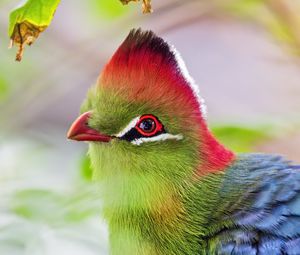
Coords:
pixel 86 123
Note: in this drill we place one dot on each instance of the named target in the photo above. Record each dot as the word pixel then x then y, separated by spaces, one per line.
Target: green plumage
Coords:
pixel 153 205
pixel 151 193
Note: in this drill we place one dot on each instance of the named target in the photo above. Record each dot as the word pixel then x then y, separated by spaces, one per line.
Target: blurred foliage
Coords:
pixel 54 208
pixel 36 205
pixel 109 9
pixel 37 214
pixel 241 139
pixel 246 8
pixel 280 17
pixel 86 171
pixel 4 88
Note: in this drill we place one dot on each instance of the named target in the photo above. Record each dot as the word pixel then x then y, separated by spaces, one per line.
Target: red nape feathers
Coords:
pixel 145 68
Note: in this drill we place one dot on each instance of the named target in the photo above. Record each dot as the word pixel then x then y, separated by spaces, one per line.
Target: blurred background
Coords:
pixel 244 54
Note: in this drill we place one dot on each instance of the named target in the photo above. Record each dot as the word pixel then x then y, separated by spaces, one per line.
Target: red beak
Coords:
pixel 80 131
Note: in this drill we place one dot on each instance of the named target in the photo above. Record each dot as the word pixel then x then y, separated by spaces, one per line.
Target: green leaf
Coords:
pixel 28 20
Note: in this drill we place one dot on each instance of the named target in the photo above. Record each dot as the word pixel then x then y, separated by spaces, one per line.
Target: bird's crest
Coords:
pixel 148 68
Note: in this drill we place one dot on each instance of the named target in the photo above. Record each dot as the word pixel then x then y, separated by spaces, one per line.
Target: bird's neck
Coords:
pixel 180 219
pixel 149 214
pixel 146 231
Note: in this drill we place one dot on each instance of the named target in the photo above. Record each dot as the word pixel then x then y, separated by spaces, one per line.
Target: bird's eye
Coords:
pixel 145 126
pixel 149 125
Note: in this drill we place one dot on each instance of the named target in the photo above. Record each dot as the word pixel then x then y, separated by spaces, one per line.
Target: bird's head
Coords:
pixel 145 118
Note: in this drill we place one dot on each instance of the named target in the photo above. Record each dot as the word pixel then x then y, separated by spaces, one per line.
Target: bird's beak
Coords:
pixel 80 131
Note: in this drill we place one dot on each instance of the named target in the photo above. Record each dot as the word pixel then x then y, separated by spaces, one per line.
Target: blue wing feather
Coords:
pixel 268 219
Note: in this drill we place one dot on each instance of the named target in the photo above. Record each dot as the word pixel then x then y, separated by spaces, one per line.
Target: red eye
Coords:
pixel 149 125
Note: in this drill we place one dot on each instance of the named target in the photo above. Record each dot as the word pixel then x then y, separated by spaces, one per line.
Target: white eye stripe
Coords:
pixel 161 137
pixel 139 141
pixel 131 125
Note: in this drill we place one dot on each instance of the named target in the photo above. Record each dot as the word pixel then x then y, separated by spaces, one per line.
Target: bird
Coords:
pixel 168 186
